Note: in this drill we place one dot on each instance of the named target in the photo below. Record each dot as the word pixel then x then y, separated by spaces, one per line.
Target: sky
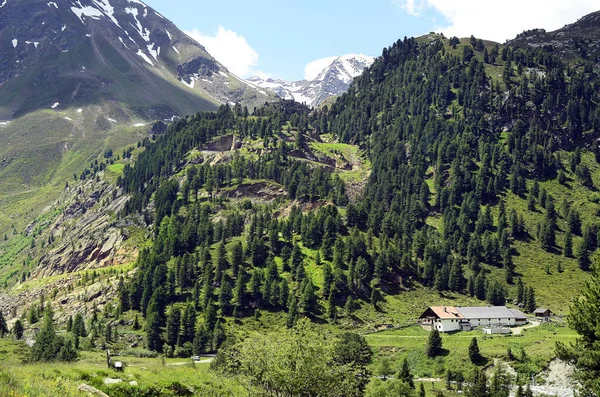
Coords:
pixel 296 39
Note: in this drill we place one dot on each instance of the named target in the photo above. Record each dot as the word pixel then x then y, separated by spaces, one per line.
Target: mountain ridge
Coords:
pixel 333 80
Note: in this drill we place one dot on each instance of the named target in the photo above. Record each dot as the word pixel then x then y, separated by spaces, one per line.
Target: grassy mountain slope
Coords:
pixel 451 172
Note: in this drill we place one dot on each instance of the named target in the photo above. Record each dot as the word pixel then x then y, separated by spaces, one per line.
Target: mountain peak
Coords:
pixel 333 80
pixel 120 50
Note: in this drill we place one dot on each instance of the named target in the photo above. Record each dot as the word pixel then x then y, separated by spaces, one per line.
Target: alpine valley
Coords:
pixel 169 229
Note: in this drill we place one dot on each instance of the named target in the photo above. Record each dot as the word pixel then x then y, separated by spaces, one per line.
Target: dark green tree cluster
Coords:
pixel 48 345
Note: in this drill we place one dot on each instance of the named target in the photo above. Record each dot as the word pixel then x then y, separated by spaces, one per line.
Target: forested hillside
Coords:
pixel 471 147
pixel 454 172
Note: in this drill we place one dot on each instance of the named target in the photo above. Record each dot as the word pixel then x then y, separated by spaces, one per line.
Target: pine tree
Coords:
pixel 478 387
pixel 568 244
pixel 188 323
pixel 530 304
pixel 582 254
pixel 520 291
pixel 18 329
pixel 349 306
pixel 136 322
pixel 474 354
pixel 375 298
pixel 404 374
pixel 173 324
pixel 46 347
pixel 584 352
pixel 3 326
pixel 292 312
pixel 308 299
pixel 78 328
pixel 434 344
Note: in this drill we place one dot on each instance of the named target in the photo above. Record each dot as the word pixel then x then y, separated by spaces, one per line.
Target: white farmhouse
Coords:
pixel 457 318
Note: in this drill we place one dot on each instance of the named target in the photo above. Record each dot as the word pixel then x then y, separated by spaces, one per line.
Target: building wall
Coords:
pixel 447 325
pixel 492 321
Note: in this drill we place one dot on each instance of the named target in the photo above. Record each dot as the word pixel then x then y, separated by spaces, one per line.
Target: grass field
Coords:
pixel 164 376
pixel 537 344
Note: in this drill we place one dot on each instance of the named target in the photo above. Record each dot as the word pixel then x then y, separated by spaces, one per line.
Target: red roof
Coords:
pixel 442 312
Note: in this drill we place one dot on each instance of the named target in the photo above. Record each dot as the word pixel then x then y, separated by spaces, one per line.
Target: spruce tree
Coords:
pixel 173 324
pixel 568 244
pixel 18 329
pixel 292 315
pixel 79 328
pixel 3 326
pixel 474 354
pixel 434 344
pixel 404 373
pixel 586 349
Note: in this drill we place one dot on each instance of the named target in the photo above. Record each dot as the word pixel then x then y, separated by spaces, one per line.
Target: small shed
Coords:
pixel 542 314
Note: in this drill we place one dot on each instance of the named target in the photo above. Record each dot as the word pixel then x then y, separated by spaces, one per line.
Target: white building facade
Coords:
pixel 457 318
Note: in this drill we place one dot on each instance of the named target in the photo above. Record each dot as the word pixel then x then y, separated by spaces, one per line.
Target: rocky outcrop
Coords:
pixel 86 234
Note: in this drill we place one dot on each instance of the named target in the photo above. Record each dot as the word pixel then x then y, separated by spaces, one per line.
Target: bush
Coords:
pixel 140 353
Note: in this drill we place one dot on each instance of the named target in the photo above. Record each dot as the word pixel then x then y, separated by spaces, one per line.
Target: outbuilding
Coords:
pixel 542 314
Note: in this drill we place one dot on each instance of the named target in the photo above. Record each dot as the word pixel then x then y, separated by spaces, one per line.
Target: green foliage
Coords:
pixel 3 326
pixel 404 374
pixel 49 346
pixel 585 351
pixel 434 344
pixel 474 354
pixel 295 361
pixel 389 387
pixel 18 329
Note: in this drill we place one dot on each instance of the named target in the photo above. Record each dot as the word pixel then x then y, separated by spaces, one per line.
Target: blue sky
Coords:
pixel 279 38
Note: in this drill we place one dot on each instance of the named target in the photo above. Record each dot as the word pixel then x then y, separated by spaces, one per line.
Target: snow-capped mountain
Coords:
pixel 332 81
pixel 77 52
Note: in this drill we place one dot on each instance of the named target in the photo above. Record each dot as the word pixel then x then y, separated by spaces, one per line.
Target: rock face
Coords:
pixel 85 235
pixel 579 40
pixel 66 53
pixel 332 81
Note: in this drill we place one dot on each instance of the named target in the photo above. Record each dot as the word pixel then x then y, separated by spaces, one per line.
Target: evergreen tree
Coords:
pixel 404 374
pixel 3 326
pixel 530 304
pixel 474 354
pixel 79 328
pixel 520 291
pixel 568 244
pixel 434 344
pixel 18 329
pixel 584 352
pixel 582 254
pixel 292 312
pixel 173 324
pixel 478 387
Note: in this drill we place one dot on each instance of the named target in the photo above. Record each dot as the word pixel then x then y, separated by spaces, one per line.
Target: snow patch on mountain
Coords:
pixel 86 11
pixel 333 80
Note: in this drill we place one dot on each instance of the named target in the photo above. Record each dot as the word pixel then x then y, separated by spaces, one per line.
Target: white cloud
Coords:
pixel 229 48
pixel 262 75
pixel 409 6
pixel 501 21
pixel 315 67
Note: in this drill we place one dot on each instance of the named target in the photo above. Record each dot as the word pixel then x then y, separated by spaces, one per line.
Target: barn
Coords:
pixel 460 318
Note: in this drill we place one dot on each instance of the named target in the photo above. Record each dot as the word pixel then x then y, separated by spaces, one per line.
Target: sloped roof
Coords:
pixel 518 314
pixel 442 312
pixel 487 312
pixel 541 310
